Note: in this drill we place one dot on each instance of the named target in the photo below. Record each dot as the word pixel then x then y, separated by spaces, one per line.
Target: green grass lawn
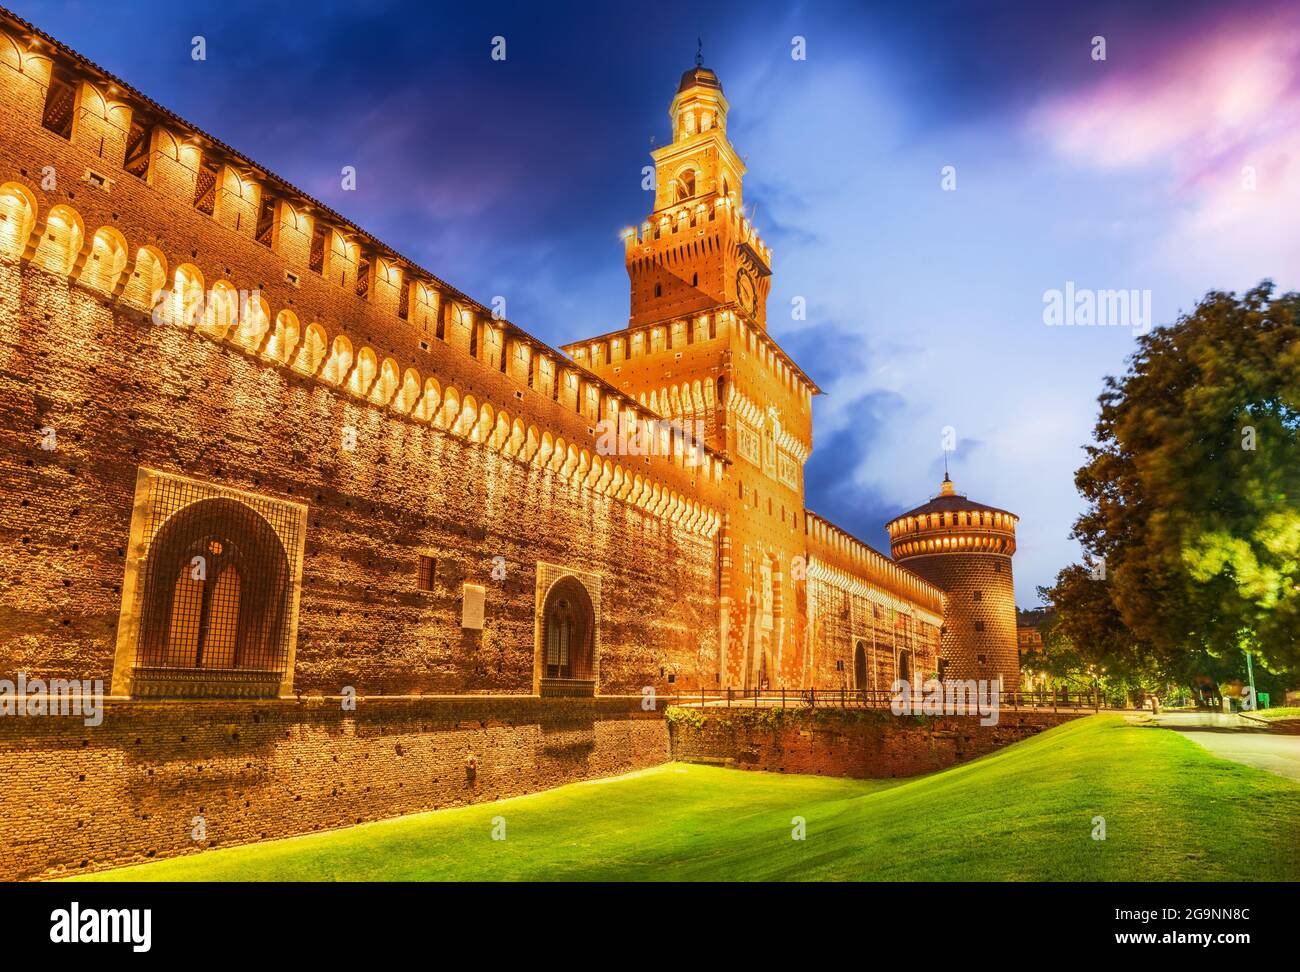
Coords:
pixel 1173 812
pixel 1281 712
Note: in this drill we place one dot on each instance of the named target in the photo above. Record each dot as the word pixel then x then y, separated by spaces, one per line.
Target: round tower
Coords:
pixel 965 548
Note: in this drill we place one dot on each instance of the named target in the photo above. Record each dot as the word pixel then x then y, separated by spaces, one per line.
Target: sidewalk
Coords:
pixel 1242 740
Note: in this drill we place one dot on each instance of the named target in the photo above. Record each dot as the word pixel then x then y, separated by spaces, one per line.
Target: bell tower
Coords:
pixel 697 250
pixel 696 352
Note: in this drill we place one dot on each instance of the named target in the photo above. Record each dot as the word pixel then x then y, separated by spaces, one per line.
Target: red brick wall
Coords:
pixel 840 618
pixel 862 743
pixel 122 392
pixel 78 799
pixel 963 576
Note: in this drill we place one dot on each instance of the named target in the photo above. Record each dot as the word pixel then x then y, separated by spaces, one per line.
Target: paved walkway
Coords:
pixel 1235 738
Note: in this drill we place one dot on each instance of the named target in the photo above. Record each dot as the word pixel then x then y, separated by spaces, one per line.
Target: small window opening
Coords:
pixel 316 260
pixel 60 102
pixel 427 570
pixel 205 187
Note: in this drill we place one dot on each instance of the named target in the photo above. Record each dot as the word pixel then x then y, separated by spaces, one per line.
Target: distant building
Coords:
pixel 1029 635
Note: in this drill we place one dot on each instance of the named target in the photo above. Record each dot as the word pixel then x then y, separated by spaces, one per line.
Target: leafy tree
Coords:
pixel 1086 643
pixel 1193 486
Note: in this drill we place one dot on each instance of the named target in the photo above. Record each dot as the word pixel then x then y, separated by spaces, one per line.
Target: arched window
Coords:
pixel 216 603
pixel 559 636
pixel 686 185
pixel 568 632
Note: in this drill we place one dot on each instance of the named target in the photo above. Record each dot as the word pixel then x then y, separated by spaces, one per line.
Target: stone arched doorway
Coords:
pixel 860 677
pixel 568 640
pixel 216 606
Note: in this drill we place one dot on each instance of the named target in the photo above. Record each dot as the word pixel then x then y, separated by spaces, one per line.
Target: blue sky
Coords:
pixel 925 307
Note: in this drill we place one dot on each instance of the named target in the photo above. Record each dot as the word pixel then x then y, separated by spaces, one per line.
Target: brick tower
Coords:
pixel 697 250
pixel 696 350
pixel 965 548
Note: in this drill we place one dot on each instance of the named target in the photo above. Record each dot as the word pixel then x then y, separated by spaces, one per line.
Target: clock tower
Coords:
pixel 696 352
pixel 698 250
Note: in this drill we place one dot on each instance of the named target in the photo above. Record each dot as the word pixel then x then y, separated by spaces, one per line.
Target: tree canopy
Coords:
pixel 1193 491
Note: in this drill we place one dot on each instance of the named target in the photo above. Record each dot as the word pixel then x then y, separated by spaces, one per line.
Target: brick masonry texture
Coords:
pixel 861 743
pixel 475 445
pixel 122 392
pixel 979 614
pixel 78 799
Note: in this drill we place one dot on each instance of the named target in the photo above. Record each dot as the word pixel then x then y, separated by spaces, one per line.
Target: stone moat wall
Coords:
pixel 862 743
pixel 79 798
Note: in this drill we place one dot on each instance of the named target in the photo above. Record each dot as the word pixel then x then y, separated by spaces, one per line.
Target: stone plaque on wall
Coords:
pixel 471 612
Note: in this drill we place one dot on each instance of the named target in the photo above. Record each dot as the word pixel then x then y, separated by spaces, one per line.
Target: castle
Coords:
pixel 341 543
pixel 255 452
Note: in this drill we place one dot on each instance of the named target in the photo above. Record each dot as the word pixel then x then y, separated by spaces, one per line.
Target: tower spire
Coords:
pixel 946 488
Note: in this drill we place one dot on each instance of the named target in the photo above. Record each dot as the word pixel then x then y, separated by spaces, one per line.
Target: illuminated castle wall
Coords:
pixel 180 328
pixel 259 452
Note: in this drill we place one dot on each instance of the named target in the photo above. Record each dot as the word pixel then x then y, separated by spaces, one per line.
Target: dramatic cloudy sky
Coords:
pixel 925 306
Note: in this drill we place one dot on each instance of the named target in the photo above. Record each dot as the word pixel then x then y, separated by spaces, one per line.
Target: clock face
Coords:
pixel 746 292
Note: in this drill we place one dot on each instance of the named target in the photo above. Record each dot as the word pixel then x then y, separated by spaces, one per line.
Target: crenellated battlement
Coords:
pixel 952 524
pixel 107 189
pixel 679 220
pixel 673 336
pixel 862 564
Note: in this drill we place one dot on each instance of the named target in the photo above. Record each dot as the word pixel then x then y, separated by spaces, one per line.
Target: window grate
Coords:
pixel 216 598
pixel 428 569
pixel 266 221
pixel 363 277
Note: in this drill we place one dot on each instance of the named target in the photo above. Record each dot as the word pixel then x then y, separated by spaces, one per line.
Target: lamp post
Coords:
pixel 1250 675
